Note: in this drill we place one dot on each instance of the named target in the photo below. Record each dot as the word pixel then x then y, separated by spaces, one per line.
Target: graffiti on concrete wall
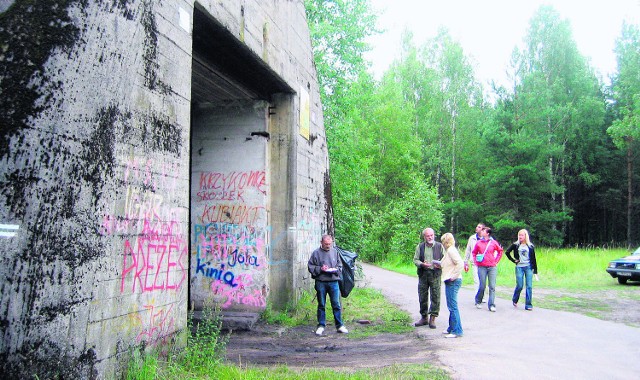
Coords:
pixel 230 237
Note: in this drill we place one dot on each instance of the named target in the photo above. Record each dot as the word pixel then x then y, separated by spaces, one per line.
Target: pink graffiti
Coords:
pixel 142 170
pixel 152 263
pixel 240 295
pixel 233 181
pixel 160 324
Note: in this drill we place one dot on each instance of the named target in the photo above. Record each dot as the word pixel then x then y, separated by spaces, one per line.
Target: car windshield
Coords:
pixel 637 252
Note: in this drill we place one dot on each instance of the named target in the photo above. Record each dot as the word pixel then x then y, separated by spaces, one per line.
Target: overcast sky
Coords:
pixel 488 30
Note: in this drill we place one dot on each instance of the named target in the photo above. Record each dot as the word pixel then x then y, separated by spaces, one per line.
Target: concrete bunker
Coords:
pixel 233 186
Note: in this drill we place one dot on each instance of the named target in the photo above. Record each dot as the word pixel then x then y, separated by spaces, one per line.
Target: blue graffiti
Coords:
pixel 220 273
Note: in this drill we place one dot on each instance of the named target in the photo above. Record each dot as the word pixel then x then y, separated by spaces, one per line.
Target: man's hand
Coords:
pixel 324 268
pixel 426 265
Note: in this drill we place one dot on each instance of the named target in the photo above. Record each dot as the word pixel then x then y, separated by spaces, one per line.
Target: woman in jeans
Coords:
pixel 487 254
pixel 526 266
pixel 452 266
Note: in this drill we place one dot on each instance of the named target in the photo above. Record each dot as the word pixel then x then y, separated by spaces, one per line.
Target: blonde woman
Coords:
pixel 526 266
pixel 452 267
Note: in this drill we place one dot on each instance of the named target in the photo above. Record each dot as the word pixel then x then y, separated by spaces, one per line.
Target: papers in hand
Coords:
pixel 436 262
pixel 331 270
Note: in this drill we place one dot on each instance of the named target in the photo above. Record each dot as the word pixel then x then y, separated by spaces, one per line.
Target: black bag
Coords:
pixel 348 276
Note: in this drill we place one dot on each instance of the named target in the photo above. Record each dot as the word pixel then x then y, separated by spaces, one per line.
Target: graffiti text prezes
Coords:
pixel 150 264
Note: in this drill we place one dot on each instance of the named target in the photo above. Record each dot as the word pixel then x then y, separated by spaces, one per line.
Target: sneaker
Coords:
pixel 492 308
pixel 343 330
pixel 528 308
pixel 515 304
pixel 451 336
pixel 478 306
pixel 446 332
pixel 319 330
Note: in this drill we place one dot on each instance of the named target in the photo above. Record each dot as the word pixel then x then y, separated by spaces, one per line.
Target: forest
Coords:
pixel 555 152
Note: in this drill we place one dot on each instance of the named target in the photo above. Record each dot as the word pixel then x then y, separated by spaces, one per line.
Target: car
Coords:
pixel 626 268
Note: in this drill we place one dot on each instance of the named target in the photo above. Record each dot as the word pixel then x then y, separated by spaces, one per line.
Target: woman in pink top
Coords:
pixel 486 254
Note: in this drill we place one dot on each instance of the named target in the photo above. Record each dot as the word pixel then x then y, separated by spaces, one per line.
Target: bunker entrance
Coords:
pixel 231 187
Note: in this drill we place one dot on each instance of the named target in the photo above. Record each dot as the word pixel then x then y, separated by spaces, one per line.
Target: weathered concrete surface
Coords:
pixel 96 185
pixel 514 343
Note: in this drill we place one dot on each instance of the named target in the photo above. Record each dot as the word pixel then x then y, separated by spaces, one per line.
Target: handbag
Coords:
pixel 480 256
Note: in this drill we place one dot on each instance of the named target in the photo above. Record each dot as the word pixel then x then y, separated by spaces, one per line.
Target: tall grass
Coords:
pixel 558 268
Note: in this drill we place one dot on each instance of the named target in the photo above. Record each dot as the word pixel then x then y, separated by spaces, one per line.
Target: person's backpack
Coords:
pixel 348 276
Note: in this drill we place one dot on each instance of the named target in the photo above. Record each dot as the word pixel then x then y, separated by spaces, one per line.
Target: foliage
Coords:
pixel 397 228
pixel 542 155
pixel 625 130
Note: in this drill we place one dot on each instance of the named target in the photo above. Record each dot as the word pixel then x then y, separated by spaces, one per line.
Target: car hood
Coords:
pixel 629 258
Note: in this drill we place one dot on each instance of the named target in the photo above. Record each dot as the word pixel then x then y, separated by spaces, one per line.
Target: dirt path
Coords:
pixel 543 344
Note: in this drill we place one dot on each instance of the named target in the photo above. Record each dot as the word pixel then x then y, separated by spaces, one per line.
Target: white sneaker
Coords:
pixel 478 306
pixel 451 336
pixel 319 330
pixel 343 330
pixel 492 308
pixel 445 332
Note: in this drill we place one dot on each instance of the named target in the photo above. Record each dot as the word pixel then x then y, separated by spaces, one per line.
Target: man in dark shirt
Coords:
pixel 325 267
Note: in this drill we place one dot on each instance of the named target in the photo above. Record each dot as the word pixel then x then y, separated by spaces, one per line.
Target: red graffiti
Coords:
pixel 233 181
pixel 160 324
pixel 236 214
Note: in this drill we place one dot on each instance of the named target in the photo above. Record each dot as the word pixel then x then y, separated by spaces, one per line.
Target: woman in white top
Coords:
pixel 524 256
pixel 452 267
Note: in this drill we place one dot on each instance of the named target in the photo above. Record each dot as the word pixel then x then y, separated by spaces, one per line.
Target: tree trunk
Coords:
pixel 629 192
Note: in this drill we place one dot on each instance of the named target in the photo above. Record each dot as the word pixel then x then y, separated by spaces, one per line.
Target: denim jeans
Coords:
pixel 451 292
pixel 526 272
pixel 322 289
pixel 483 273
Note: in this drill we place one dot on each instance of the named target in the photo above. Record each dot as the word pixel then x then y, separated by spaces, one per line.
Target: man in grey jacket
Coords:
pixel 325 267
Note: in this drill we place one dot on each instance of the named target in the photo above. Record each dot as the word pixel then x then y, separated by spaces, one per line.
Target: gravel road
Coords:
pixel 514 343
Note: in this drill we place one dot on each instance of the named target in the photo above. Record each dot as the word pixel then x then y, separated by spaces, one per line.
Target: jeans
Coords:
pixel 429 290
pixel 451 292
pixel 528 274
pixel 322 289
pixel 483 273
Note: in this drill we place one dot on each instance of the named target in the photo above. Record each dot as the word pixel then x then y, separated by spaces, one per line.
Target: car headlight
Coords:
pixel 638 266
pixel 612 265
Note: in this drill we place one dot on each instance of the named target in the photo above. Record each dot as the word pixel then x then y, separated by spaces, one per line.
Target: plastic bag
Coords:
pixel 348 276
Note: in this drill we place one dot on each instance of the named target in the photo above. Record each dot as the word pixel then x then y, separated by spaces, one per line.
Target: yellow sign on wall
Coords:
pixel 304 113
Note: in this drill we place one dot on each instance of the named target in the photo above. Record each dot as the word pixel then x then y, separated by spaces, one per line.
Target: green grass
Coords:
pixel 558 268
pixel 285 373
pixel 203 356
pixel 362 304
